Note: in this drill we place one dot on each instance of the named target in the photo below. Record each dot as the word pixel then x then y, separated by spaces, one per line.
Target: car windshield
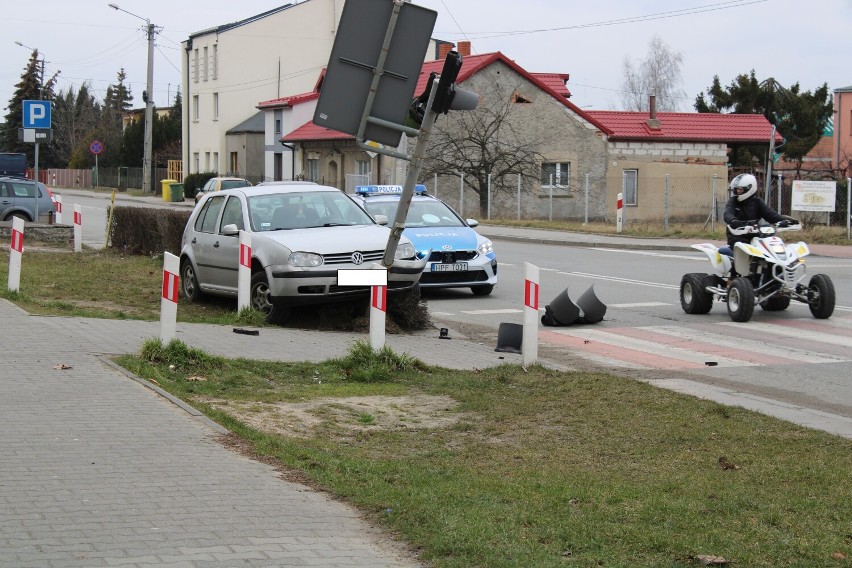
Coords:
pixel 232 183
pixel 301 210
pixel 425 213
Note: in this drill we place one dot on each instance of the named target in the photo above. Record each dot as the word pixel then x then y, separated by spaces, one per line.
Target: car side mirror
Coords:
pixel 472 223
pixel 381 219
pixel 230 230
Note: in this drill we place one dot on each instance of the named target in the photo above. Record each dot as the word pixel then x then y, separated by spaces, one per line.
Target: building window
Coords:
pixel 215 62
pixel 195 66
pixel 277 126
pixel 556 174
pixel 363 167
pixel 215 161
pixel 215 106
pixel 313 170
pixel 205 63
pixel 631 187
pixel 195 112
pixel 235 163
pixel 519 98
pixel 196 162
pixel 206 161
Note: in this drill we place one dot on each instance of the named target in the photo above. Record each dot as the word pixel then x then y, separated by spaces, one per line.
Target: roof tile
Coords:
pixel 684 126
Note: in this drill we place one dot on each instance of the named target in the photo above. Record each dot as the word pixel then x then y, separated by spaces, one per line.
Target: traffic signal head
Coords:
pixel 449 96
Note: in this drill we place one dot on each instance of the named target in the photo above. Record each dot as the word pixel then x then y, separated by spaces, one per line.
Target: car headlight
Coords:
pixel 404 250
pixel 305 259
pixel 485 247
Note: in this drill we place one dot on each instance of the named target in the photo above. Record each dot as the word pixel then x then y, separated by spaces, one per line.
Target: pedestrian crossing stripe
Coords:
pixel 726 344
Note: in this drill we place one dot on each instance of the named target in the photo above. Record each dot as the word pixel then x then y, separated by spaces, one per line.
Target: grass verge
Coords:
pixel 537 467
pixel 109 284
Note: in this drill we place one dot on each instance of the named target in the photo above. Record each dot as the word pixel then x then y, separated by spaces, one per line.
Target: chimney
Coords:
pixel 443 49
pixel 464 48
pixel 652 121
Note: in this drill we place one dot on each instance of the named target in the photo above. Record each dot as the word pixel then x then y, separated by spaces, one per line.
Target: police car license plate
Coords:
pixel 450 267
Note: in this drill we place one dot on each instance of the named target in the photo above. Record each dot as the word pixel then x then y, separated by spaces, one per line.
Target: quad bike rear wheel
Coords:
pixel 821 296
pixel 741 299
pixel 694 297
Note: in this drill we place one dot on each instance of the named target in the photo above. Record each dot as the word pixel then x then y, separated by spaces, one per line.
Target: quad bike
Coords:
pixel 767 272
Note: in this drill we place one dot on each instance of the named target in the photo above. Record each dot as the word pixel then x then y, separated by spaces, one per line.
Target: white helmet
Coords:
pixel 743 186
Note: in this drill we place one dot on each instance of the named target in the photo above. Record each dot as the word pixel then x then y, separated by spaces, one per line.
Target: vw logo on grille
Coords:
pixel 357 258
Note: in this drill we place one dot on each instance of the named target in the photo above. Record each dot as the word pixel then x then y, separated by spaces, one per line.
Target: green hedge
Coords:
pixel 147 230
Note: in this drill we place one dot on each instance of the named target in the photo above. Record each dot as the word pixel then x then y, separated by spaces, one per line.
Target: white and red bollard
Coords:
pixel 244 272
pixel 57 203
pixel 529 342
pixel 378 315
pixel 16 251
pixel 169 301
pixel 619 212
pixel 78 228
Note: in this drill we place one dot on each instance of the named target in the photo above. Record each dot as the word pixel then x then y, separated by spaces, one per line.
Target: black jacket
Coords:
pixel 752 209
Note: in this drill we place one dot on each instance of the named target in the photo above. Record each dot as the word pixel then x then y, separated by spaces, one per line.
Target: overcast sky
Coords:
pixel 790 40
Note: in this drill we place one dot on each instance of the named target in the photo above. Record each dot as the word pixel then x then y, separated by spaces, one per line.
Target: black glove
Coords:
pixel 737 224
pixel 784 223
pixel 794 221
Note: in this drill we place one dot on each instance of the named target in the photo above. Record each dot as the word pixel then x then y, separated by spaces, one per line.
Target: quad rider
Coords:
pixel 745 206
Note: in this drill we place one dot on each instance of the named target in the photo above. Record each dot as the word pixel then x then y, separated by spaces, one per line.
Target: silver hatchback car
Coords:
pixel 301 234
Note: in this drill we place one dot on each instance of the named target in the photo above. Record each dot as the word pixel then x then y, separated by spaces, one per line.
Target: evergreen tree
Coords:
pixel 117 103
pixel 799 116
pixel 31 87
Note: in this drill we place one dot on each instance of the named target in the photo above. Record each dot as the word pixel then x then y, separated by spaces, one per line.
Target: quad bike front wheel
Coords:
pixel 821 296
pixel 741 299
pixel 694 297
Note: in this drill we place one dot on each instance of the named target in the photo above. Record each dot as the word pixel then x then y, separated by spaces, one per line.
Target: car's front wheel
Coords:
pixel 262 301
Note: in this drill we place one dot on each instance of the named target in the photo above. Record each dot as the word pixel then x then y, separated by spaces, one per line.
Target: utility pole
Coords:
pixel 150 30
pixel 149 113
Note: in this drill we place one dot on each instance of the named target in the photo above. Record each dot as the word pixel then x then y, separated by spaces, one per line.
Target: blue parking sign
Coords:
pixel 36 114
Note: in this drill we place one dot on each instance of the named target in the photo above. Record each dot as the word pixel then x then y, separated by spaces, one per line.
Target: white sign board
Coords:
pixel 813 195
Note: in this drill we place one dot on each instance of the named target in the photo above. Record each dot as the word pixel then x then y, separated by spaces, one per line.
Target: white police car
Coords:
pixel 460 257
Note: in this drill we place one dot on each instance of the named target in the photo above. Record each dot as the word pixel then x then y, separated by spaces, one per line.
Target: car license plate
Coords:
pixel 450 267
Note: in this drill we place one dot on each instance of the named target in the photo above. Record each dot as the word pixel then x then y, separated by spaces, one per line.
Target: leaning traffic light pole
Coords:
pixel 368 90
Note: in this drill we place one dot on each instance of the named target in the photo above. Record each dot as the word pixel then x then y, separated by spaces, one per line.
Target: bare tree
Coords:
pixel 485 141
pixel 658 74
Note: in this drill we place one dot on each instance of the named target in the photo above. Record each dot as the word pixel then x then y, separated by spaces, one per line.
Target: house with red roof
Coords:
pixel 333 158
pixel 585 157
pixel 679 153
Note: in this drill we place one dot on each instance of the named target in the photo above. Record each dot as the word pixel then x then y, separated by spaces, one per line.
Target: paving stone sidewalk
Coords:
pixel 100 470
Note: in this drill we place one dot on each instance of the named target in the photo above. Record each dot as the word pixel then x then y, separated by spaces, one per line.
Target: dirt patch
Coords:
pixel 351 415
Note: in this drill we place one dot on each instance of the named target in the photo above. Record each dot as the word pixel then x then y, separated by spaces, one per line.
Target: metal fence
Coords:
pixel 661 202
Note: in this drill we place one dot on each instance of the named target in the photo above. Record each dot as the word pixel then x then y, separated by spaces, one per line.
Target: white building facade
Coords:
pixel 228 69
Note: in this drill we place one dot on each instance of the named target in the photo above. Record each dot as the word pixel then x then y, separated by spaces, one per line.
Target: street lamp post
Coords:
pixel 149 99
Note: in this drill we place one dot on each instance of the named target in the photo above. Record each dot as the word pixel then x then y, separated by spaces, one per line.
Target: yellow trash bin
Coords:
pixel 167 188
